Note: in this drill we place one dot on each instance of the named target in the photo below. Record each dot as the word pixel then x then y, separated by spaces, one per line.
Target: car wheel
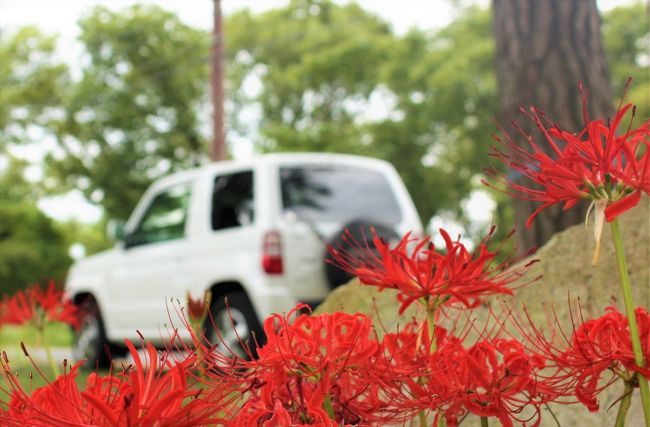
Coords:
pixel 90 339
pixel 232 326
pixel 352 240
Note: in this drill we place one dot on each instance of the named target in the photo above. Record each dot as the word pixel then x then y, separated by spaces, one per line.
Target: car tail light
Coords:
pixel 272 253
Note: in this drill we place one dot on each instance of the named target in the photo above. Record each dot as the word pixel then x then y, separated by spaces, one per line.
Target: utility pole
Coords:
pixel 218 146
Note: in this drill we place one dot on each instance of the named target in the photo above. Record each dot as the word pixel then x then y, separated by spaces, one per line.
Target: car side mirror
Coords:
pixel 115 229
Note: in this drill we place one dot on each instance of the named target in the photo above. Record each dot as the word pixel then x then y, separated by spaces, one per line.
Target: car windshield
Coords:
pixel 341 193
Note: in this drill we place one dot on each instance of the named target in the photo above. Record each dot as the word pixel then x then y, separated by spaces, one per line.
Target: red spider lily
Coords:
pixel 147 395
pixel 493 378
pixel 38 306
pixel 198 308
pixel 432 277
pixel 600 164
pixel 318 368
pixel 264 411
pixel 58 403
pixel 498 379
pixel 414 367
pixel 259 413
pixel 153 395
pixel 596 347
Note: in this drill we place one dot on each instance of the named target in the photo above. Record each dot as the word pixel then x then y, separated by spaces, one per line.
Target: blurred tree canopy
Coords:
pixel 336 78
pixel 318 63
pixel 446 89
pixel 626 36
pixel 133 116
pixel 32 248
pixel 31 83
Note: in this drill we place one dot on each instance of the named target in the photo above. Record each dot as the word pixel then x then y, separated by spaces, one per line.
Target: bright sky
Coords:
pixel 60 17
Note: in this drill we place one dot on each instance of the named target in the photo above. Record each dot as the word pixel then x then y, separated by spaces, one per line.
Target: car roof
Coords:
pixel 273 158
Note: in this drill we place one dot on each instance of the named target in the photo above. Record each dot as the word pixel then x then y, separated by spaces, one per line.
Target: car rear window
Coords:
pixel 340 193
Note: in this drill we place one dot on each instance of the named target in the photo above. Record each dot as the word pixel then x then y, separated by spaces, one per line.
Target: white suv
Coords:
pixel 254 232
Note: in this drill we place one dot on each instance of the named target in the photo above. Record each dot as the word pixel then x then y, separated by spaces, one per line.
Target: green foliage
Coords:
pixel 32 250
pixel 31 86
pixel 91 236
pixel 133 116
pixel 626 37
pixel 31 83
pixel 314 59
pixel 321 65
pixel 446 88
pixel 13 185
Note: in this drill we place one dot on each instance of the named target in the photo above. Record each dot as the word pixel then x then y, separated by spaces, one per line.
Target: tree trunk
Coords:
pixel 218 146
pixel 544 48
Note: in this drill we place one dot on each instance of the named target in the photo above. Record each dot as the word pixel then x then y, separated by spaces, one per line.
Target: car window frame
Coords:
pixel 129 241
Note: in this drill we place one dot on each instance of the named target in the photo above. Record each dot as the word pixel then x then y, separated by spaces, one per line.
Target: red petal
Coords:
pixel 622 205
pixel 532 216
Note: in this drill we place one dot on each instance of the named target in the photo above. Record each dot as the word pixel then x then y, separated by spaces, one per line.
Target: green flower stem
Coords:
pixel 201 355
pixel 484 422
pixel 550 411
pixel 48 351
pixel 431 325
pixel 431 322
pixel 50 358
pixel 631 317
pixel 423 418
pixel 328 407
pixel 624 404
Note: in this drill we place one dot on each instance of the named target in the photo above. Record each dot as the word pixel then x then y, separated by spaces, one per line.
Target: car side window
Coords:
pixel 232 200
pixel 165 217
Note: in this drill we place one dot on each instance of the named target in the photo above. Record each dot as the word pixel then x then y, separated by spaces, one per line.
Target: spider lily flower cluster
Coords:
pixel 335 370
pixel 38 306
pixel 493 377
pixel 316 370
pixel 153 392
pixel 451 277
pixel 596 355
pixel 602 164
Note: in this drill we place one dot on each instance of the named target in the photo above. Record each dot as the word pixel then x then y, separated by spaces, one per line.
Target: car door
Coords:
pixel 224 248
pixel 152 269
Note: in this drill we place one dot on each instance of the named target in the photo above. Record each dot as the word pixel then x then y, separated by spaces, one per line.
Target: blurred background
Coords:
pixel 100 98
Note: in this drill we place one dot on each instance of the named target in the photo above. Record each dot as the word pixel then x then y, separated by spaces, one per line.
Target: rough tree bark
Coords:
pixel 544 48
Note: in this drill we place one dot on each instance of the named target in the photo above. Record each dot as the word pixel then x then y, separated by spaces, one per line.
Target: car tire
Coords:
pixel 361 232
pixel 90 342
pixel 232 326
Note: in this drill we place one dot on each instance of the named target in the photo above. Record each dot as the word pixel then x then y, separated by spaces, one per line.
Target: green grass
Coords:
pixel 56 334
